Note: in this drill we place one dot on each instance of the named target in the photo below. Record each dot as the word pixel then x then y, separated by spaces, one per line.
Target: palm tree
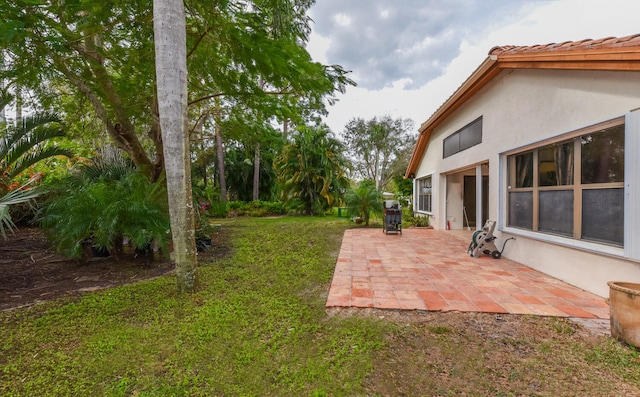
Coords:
pixel 169 26
pixel 311 171
pixel 24 145
pixel 21 147
pixel 364 200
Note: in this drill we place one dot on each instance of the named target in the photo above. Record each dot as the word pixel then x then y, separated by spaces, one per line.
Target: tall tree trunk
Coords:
pixel 285 128
pixel 121 129
pixel 220 156
pixel 256 173
pixel 198 130
pixel 256 161
pixel 169 28
pixel 3 117
pixel 18 106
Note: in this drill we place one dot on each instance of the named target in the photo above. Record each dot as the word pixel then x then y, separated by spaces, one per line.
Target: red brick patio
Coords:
pixel 425 269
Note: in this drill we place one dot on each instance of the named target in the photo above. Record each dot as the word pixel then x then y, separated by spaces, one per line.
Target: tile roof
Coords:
pixel 609 53
pixel 587 44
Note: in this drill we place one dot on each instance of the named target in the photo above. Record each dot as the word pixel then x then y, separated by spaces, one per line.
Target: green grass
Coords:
pixel 258 327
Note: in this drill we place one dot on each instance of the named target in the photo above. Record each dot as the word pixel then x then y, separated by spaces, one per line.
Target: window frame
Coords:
pixel 458 137
pixel 577 187
pixel 427 195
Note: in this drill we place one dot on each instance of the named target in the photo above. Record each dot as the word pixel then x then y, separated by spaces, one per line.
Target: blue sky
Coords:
pixel 409 56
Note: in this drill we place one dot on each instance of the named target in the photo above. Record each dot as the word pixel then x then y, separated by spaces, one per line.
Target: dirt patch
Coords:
pixel 486 354
pixel 32 272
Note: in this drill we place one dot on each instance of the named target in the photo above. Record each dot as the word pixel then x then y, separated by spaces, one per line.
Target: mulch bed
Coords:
pixel 31 271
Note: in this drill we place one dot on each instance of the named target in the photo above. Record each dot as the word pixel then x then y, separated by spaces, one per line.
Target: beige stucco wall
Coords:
pixel 522 107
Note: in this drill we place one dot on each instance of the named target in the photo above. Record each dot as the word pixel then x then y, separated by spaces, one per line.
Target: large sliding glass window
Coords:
pixel 424 194
pixel 572 188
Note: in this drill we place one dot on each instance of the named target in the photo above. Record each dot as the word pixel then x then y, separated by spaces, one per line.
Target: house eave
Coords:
pixel 480 77
pixel 609 59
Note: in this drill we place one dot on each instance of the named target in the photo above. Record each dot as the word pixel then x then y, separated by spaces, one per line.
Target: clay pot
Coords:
pixel 624 306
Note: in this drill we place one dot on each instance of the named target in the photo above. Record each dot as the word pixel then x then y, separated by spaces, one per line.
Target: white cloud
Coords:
pixel 467 45
pixel 317 47
pixel 342 19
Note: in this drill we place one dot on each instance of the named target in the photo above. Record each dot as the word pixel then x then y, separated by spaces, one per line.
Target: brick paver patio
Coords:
pixel 425 269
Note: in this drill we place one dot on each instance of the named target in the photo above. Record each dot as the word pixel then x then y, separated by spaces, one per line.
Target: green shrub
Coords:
pixel 421 221
pixel 257 212
pixel 409 217
pixel 275 207
pixel 364 200
pixel 218 209
pixel 407 214
pixel 235 208
pixel 256 208
pixel 103 204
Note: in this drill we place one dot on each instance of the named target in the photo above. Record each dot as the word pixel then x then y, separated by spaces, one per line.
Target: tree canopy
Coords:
pixel 312 170
pixel 248 52
pixel 379 148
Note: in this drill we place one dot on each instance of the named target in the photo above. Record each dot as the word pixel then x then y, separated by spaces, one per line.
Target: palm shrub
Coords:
pixel 21 147
pixel 25 145
pixel 104 203
pixel 21 195
pixel 311 171
pixel 364 200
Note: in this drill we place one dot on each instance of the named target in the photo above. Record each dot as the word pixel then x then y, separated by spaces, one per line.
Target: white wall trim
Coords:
pixel 582 245
pixel 631 185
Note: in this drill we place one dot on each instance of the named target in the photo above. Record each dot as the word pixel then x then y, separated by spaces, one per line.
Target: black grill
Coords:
pixel 392 217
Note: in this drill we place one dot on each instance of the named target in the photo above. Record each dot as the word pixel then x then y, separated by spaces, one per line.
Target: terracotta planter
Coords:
pixel 624 305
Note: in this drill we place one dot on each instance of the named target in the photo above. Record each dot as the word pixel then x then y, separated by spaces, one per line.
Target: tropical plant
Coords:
pixel 17 196
pixel 28 143
pixel 364 200
pixel 21 147
pixel 102 57
pixel 218 209
pixel 242 136
pixel 421 220
pixel 102 204
pixel 312 171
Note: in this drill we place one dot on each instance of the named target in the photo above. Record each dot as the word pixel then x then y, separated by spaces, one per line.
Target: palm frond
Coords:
pixel 5 98
pixel 35 156
pixel 18 196
pixel 31 123
pixel 17 144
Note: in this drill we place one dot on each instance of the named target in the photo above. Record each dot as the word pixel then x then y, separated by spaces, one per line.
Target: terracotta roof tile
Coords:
pixel 608 53
pixel 607 42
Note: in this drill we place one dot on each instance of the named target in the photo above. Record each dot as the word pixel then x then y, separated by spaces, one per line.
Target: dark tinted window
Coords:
pixel 464 138
pixel 603 156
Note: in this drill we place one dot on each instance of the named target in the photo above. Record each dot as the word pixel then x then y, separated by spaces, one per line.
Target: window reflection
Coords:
pixel 555 165
pixel 603 156
pixel 578 191
pixel 524 170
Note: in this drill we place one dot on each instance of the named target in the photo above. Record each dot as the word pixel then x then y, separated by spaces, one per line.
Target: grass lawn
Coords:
pixel 258 327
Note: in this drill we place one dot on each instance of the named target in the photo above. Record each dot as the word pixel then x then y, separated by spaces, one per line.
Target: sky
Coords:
pixel 409 56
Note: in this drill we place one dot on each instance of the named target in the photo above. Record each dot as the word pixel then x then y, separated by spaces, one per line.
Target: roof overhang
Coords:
pixel 624 58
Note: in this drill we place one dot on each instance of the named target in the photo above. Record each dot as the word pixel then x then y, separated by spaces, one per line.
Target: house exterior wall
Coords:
pixel 523 107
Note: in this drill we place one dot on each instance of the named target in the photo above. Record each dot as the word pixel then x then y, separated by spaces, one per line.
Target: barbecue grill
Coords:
pixel 392 217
